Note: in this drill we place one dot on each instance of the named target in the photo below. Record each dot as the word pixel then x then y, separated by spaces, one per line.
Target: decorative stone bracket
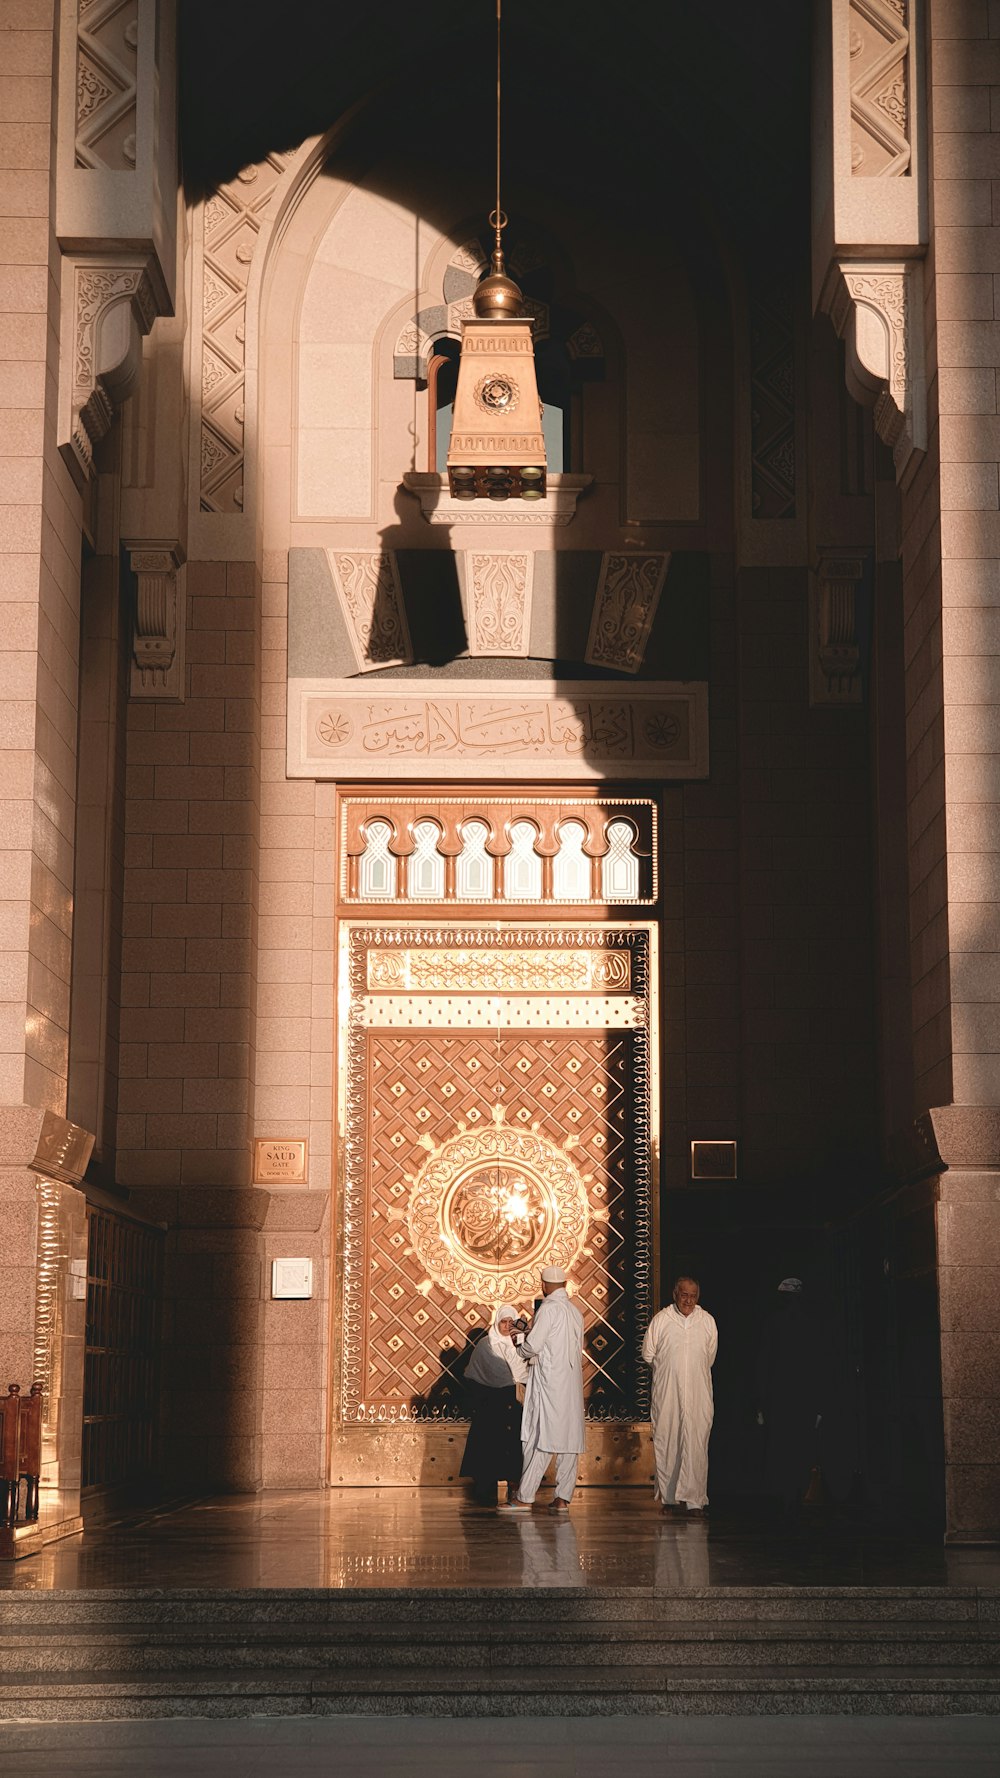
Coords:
pixel 877 310
pixel 835 652
pixel 157 666
pixel 108 309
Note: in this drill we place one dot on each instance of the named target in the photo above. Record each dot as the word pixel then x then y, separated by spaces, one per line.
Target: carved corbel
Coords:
pixel 835 650
pixel 157 667
pixel 877 310
pixel 113 307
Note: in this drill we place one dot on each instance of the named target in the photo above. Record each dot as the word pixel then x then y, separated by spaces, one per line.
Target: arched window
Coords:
pixel 522 867
pixel 474 866
pixel 442 380
pixel 426 872
pixel 620 866
pixel 570 868
pixel 377 866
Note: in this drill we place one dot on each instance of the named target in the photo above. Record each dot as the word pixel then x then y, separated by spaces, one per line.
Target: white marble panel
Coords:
pixel 382 241
pixel 334 473
pixel 343 306
pixel 335 385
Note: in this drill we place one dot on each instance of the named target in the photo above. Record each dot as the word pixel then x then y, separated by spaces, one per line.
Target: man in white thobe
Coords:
pixel 680 1344
pixel 552 1421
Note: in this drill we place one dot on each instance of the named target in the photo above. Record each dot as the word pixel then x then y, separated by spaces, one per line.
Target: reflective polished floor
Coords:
pixel 435 1537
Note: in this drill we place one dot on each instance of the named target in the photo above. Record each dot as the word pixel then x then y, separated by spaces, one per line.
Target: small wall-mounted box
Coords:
pixel 713 1160
pixel 291 1279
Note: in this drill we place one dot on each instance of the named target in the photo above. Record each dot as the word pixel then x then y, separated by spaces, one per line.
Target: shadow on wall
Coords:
pixel 432 596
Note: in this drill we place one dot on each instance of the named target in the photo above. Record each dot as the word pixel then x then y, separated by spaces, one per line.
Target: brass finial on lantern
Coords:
pixel 496 294
pixel 497 448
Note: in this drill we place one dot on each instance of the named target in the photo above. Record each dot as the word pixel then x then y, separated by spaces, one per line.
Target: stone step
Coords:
pixel 664 1643
pixel 467 1651
pixel 581 1691
pixel 112 1608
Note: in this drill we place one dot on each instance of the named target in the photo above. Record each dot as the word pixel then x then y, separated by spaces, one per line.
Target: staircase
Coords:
pixel 551 1651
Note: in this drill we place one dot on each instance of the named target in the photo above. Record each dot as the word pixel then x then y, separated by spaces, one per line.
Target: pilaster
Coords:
pixel 870 208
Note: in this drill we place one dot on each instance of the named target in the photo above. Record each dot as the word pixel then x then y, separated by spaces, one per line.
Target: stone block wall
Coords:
pixel 953 656
pixel 189 975
pixel 951 586
pixel 40 540
pixel 807 1035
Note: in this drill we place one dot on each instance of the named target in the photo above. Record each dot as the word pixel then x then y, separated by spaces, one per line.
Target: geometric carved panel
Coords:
pixel 106 49
pixel 878 48
pixel 470 1155
pixel 772 402
pixel 231 220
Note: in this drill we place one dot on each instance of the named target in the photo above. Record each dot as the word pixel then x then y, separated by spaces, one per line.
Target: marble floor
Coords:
pixel 351 1747
pixel 435 1537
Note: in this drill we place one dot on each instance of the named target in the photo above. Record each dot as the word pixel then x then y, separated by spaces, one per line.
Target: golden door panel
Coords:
pixel 495 1116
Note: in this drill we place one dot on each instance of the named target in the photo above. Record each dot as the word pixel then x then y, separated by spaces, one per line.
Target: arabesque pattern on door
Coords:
pixel 449 1124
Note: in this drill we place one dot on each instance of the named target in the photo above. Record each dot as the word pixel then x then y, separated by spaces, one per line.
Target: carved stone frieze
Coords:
pixel 106 84
pixel 498 597
pixel 112 306
pixel 371 601
pixel 877 309
pixel 628 593
pixel 835 651
pixel 157 666
pixel 878 49
pixel 230 219
pixel 531 728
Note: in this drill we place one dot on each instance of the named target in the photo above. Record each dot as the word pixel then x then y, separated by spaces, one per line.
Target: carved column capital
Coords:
pixel 157 668
pixel 877 310
pixel 835 646
pixel 110 307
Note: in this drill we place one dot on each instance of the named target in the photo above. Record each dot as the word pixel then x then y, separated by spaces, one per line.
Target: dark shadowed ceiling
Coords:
pixel 618 102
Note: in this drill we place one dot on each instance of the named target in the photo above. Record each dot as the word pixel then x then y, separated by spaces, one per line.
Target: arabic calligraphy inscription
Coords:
pixel 529 727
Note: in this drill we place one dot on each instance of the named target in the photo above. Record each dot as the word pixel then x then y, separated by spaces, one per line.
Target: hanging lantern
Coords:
pixel 497 449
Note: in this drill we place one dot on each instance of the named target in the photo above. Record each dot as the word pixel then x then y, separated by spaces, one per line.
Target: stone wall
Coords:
pixel 189 978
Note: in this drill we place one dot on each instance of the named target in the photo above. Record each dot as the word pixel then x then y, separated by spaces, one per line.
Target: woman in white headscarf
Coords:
pixel 493 1449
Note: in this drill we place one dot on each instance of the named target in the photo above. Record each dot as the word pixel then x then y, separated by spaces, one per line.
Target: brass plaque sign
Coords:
pixel 280 1160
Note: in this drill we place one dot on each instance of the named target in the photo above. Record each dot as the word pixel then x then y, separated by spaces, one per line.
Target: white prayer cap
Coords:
pixel 553 1275
pixel 786 1284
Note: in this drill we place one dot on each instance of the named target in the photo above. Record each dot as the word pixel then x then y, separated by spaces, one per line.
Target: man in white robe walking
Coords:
pixel 680 1345
pixel 552 1421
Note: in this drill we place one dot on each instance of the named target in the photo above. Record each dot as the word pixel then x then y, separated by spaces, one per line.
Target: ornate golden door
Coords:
pixel 497 1104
